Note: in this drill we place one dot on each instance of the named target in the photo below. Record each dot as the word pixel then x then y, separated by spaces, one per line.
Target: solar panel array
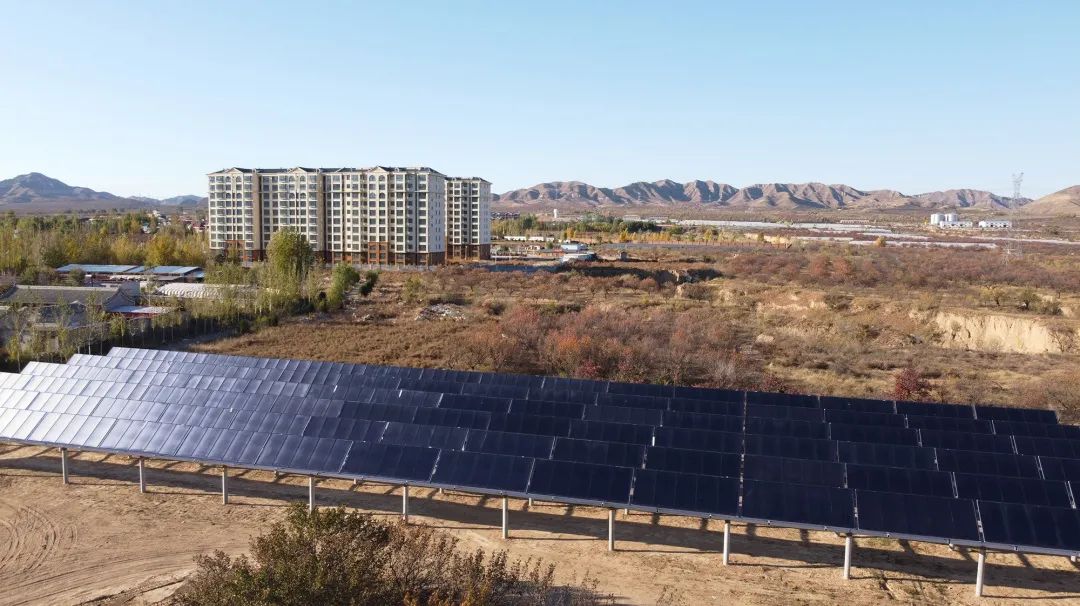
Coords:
pixel 968 475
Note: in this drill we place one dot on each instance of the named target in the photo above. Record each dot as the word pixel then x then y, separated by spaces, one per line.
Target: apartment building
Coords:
pixel 385 215
pixel 468 218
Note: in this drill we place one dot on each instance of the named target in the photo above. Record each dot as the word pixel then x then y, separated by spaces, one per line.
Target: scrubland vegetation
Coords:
pixel 331 556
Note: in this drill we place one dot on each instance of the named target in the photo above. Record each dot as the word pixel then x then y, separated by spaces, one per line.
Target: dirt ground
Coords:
pixel 99 541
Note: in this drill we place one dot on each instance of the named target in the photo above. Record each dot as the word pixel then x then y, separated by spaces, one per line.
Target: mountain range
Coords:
pixel 35 192
pixel 765 196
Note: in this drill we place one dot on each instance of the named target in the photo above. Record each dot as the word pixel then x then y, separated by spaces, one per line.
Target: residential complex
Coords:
pixel 384 215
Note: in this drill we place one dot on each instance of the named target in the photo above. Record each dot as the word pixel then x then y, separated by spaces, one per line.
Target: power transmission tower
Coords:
pixel 1012 247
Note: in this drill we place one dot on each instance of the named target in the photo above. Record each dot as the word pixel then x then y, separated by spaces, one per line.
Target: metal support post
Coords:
pixel 311 493
pixel 505 518
pixel 849 542
pixel 405 503
pixel 224 484
pixel 727 541
pixel 979 574
pixel 142 476
pixel 63 464
pixel 611 530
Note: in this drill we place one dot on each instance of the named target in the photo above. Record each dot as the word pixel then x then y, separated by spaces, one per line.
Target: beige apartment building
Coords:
pixel 384 215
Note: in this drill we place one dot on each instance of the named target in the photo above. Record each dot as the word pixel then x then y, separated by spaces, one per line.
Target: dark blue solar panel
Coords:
pixel 505 443
pixel 496 391
pixel 611 432
pixel 581 481
pixel 427 436
pixel 787 427
pixel 696 420
pixel 781 399
pixel 693 461
pixel 685 492
pixel 487 471
pixel 954 440
pixel 1061 469
pixel 599 453
pixel 655 403
pixel 949 424
pixel 888 455
pixel 1041 430
pixel 854 417
pixel 638 389
pixel 1029 491
pixel 900 480
pixel 707 407
pixel 928 409
pixel 471 402
pixel 390 461
pixel 570 410
pixel 875 434
pixel 987 463
pixel 1028 415
pixel 856 404
pixel 798 504
pixel 547 426
pixel 1016 524
pixel 1064 448
pixel 795 448
pixel 785 412
pixel 624 414
pixel 708 393
pixel 563 395
pixel 469 419
pixel 697 439
pixel 917 515
pixel 793 471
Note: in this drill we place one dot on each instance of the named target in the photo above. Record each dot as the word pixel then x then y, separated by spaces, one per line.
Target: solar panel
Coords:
pixel 505 443
pixel 600 453
pixel 666 490
pixel 820 506
pixel 693 461
pixel 581 481
pixel 917 515
pixel 793 471
pixel 900 480
pixel 390 461
pixel 1016 524
pixel 1029 491
pixel 987 463
pixel 483 470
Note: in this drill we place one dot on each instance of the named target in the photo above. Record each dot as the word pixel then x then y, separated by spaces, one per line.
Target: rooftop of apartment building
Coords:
pixel 304 169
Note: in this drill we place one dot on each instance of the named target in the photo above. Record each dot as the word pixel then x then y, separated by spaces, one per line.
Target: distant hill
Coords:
pixel 1060 203
pixel 38 193
pixel 781 196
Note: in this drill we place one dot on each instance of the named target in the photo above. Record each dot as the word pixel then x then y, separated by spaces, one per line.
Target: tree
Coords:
pixel 910 384
pixel 289 258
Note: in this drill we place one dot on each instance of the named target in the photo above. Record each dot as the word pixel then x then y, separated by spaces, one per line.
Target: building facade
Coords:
pixel 468 218
pixel 382 215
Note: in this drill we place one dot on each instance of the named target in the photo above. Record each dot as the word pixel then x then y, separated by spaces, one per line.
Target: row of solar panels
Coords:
pixel 810 439
pixel 583 390
pixel 527 434
pixel 1049 529
pixel 163 434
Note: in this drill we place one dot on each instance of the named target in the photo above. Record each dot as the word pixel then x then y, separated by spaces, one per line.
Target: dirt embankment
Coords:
pixel 1007 333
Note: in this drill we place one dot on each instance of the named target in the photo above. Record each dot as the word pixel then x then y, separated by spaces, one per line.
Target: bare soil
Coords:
pixel 98 541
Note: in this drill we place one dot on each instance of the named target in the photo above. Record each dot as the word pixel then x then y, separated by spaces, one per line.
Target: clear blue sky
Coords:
pixel 145 97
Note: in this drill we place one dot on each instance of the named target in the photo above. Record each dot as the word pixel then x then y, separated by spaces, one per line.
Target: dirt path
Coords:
pixel 98 540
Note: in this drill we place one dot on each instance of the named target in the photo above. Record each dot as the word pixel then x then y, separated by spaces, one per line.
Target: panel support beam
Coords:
pixel 849 543
pixel 405 503
pixel 311 493
pixel 63 465
pixel 727 541
pixel 611 530
pixel 224 484
pixel 505 518
pixel 979 573
pixel 142 476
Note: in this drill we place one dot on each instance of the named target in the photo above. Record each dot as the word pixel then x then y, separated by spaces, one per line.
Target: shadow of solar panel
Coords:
pixel 928 409
pixel 987 463
pixel 698 439
pixel 787 427
pixel 1028 415
pixel 1063 448
pixel 798 504
pixel 468 419
pixel 870 433
pixel 390 461
pixel 598 453
pixel 547 426
pixel 472 402
pixel 955 440
pixel 781 399
pixel 949 424
pixel 793 471
pixel 789 447
pixel 794 413
pixel 1028 491
pixel 611 432
pixel 854 417
pixel 862 405
pixel 1062 469
pixel 479 470
pixel 696 420
pixel 512 444
pixel 707 406
pixel 888 455
pixel 1016 524
pixel 427 436
pixel 668 490
pixel 623 414
pixel 900 480
pixel 581 481
pixel 1038 430
pixel 693 461
pixel 569 410
pixel 917 515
